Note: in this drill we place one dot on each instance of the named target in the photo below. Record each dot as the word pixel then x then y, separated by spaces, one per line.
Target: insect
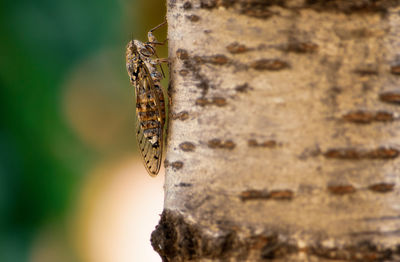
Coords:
pixel 141 64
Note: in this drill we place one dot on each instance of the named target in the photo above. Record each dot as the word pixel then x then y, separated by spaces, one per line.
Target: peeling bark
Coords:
pixel 283 138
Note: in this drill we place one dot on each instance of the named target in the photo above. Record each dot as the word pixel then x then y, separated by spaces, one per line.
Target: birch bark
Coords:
pixel 283 137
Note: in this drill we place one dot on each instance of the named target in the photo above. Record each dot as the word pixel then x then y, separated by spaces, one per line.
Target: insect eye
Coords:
pixel 150 50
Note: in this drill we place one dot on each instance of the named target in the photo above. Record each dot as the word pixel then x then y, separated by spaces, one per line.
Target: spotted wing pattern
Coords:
pixel 150 111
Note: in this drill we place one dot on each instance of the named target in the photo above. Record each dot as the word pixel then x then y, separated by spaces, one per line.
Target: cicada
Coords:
pixel 142 65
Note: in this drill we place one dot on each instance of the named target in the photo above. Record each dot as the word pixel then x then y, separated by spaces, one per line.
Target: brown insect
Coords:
pixel 141 64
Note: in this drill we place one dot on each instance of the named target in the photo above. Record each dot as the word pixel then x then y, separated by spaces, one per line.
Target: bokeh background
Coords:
pixel 72 185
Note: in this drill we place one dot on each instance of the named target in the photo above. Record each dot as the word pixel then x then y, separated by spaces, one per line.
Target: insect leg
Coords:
pixel 151 37
pixel 159 61
pixel 155 42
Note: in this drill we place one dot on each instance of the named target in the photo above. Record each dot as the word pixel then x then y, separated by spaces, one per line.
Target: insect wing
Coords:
pixel 150 121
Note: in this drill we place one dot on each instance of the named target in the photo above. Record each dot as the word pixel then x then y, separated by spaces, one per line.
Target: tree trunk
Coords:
pixel 283 136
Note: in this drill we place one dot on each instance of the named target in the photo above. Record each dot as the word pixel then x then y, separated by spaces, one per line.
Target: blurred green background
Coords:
pixel 66 108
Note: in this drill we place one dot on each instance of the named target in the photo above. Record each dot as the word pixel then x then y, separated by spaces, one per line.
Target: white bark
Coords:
pixel 283 137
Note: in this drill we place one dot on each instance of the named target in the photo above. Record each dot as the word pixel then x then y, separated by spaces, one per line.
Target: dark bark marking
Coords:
pixel 358 33
pixel 193 18
pixel 187 147
pixel 366 117
pixel 203 84
pixel 366 71
pixel 208 4
pixel 174 165
pixel 300 47
pixel 341 189
pixel 183 115
pixel 382 187
pixel 354 6
pixel 382 153
pixel 261 9
pixel 268 143
pixel 354 153
pixel 218 143
pixel 166 163
pixel 390 97
pixel 258 11
pixel 192 65
pixel 182 54
pixel 281 194
pixel 236 48
pixel 218 101
pixel 333 93
pixel 252 8
pixel 171 3
pixel 182 184
pixel 269 64
pixel 243 88
pixel 183 72
pixel 187 5
pixel 312 151
pixel 214 59
pixel 253 194
pixel 202 102
pixel 381 218
pixel 177 165
pixel 395 69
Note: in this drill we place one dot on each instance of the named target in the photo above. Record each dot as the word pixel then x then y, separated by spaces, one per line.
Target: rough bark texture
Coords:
pixel 283 141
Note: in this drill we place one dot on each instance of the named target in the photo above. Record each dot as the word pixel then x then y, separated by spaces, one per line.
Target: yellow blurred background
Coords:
pixel 72 185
